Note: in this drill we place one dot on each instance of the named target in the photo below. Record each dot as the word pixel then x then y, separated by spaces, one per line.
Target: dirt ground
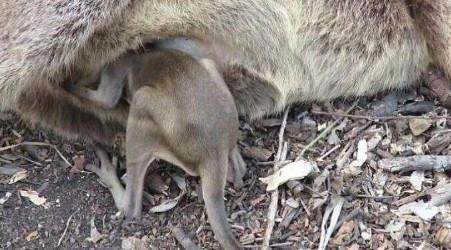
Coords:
pixel 372 201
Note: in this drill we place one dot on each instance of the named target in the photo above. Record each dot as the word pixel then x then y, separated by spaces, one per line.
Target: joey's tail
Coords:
pixel 70 116
pixel 213 177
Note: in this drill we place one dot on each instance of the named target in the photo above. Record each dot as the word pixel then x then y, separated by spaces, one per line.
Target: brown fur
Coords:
pixel 287 50
pixel 181 111
pixel 433 20
pixel 98 124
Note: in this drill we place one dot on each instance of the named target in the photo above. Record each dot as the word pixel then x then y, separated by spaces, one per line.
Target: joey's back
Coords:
pixel 196 108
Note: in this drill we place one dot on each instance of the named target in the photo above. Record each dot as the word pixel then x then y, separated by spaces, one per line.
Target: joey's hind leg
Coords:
pixel 108 176
pixel 136 175
pixel 139 142
pixel 237 168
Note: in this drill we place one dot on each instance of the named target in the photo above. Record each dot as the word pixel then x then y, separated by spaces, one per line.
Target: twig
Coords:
pixel 183 239
pixel 67 226
pixel 272 210
pixel 267 163
pixel 31 161
pixel 307 211
pixel 407 199
pixel 374 118
pixel 272 246
pixel 438 195
pixel 328 153
pixel 281 133
pixel 323 134
pixel 319 137
pixel 37 144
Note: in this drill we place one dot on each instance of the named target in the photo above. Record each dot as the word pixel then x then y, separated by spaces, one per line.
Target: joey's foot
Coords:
pixel 108 176
pixel 237 168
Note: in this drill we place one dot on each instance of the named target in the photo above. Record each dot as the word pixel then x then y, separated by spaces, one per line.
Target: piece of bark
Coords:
pixel 257 153
pixel 289 217
pixel 439 143
pixel 417 108
pixel 418 162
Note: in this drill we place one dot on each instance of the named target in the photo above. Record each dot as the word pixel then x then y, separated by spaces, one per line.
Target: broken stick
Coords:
pixel 418 162
pixel 280 157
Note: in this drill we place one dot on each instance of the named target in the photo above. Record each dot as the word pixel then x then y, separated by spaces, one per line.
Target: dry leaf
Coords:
pixel 345 232
pixel 165 205
pixel 95 235
pixel 425 211
pixel 330 220
pixel 333 138
pixel 33 196
pixel 32 236
pixel 79 164
pixel 5 198
pixel 291 202
pixel 396 229
pixel 354 246
pixel 247 239
pixel 18 176
pixel 416 179
pixel 181 182
pixel 362 154
pixel 133 243
pixel 443 237
pixel 292 171
pixel 355 168
pixel 374 141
